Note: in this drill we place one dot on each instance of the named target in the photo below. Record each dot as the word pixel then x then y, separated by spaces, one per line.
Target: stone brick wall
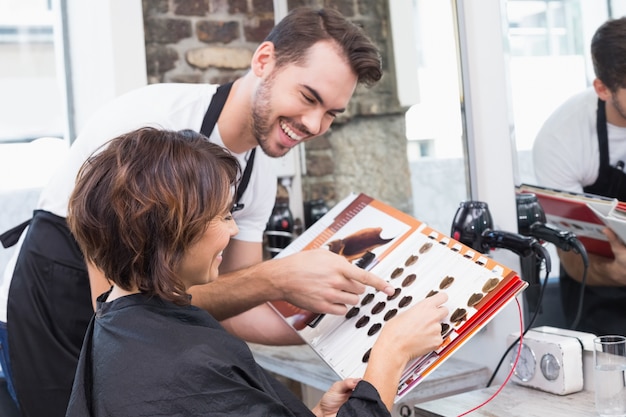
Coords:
pixel 212 41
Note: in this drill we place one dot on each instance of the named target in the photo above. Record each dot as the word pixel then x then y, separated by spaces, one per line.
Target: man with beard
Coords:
pixel 582 148
pixel 301 77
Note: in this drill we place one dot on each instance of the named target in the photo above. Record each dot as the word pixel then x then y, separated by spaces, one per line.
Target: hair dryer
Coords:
pixel 531 221
pixel 473 226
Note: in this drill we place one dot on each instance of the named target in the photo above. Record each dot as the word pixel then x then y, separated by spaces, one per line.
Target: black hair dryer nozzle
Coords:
pixel 531 221
pixel 473 226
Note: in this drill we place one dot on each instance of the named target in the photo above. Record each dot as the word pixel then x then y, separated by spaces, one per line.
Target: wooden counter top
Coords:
pixel 455 387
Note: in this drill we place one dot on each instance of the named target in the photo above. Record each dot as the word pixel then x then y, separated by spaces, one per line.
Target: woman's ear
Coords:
pixel 263 59
pixel 602 90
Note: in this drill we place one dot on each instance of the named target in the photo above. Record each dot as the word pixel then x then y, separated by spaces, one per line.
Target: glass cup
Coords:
pixel 610 375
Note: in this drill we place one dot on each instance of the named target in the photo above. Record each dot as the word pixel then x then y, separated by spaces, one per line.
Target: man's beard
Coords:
pixel 260 119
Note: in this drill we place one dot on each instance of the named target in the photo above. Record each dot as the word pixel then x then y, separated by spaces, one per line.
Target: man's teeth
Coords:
pixel 289 132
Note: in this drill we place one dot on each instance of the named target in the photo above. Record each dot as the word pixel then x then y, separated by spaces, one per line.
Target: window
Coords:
pixel 434 126
pixel 32 104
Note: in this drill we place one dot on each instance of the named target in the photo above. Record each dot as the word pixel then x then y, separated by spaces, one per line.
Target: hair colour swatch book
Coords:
pixel 585 215
pixel 419 261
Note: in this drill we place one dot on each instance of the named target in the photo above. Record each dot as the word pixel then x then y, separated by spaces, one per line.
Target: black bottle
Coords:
pixel 279 229
pixel 314 210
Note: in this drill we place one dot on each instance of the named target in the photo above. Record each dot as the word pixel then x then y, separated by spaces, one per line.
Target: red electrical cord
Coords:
pixel 521 332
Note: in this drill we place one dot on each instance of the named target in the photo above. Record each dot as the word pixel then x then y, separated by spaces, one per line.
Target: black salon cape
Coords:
pixel 148 357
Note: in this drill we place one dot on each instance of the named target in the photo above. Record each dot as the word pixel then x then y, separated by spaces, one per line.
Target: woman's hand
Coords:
pixel 334 398
pixel 414 333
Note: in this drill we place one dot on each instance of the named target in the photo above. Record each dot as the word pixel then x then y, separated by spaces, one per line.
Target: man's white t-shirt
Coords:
pixel 167 106
pixel 566 153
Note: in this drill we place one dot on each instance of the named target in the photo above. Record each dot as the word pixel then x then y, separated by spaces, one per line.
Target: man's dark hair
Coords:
pixel 608 52
pixel 303 27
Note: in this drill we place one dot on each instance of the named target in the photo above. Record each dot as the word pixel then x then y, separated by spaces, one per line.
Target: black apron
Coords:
pixel 604 308
pixel 49 306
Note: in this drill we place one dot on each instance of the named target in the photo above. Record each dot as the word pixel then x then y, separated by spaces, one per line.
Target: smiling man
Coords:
pixel 300 78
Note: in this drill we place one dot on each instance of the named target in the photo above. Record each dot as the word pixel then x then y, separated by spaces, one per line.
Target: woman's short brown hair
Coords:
pixel 143 199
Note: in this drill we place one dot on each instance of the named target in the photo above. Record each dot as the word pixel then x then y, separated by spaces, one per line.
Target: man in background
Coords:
pixel 582 148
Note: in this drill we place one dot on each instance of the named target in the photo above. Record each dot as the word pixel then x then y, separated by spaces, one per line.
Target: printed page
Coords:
pixel 611 217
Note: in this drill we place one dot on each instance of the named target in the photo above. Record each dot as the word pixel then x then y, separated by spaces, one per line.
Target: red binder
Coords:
pixel 580 213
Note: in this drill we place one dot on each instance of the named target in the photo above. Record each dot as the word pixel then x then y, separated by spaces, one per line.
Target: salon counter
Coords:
pixel 454 388
pixel 301 364
pixel 513 401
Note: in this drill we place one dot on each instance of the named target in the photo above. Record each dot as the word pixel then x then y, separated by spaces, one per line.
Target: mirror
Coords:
pixel 549 62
